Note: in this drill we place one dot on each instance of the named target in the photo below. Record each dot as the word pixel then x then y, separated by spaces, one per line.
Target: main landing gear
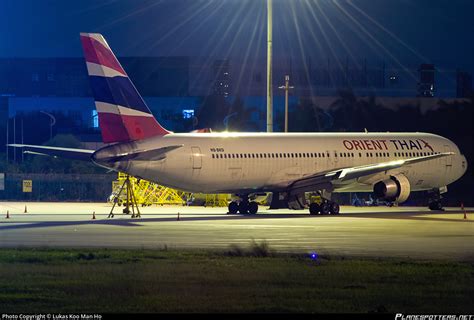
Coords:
pixel 326 207
pixel 244 206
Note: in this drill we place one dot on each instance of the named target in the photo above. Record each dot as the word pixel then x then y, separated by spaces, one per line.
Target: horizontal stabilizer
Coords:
pixel 108 154
pixel 68 153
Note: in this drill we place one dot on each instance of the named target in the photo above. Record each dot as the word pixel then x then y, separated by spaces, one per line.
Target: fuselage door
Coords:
pixel 197 157
pixel 448 159
pixel 335 157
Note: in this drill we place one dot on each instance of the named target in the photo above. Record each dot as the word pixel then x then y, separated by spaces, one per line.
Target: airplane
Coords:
pixel 391 165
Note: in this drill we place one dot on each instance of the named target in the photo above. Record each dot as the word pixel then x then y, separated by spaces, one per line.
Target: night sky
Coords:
pixel 401 32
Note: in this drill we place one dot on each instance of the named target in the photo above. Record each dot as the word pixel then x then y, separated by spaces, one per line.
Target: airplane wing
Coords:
pixel 326 180
pixel 68 153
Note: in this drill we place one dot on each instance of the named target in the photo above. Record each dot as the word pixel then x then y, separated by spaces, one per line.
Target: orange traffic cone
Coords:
pixel 8 215
pixel 93 215
pixel 26 210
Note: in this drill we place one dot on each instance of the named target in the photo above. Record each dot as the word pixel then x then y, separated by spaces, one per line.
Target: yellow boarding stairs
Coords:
pixel 147 193
pixel 216 200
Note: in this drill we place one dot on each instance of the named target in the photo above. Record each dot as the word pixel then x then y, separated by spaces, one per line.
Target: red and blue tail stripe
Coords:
pixel 123 115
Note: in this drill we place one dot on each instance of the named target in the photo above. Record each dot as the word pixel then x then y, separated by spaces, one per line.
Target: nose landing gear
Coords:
pixel 435 199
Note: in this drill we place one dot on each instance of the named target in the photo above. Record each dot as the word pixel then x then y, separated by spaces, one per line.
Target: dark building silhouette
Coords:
pixel 463 84
pixel 221 69
pixel 67 77
pixel 426 86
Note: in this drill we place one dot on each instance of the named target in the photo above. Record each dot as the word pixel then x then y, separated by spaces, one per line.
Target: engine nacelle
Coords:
pixel 397 188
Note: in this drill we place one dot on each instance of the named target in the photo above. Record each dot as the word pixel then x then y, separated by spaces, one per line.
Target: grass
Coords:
pixel 253 279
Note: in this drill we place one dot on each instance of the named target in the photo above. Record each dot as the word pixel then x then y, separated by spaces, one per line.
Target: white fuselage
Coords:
pixel 252 162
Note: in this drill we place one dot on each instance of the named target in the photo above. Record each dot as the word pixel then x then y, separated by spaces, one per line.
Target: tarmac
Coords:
pixel 401 232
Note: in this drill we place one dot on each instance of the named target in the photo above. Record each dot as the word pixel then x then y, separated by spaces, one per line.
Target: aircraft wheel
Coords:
pixel 325 208
pixel 243 207
pixel 435 206
pixel 253 207
pixel 314 208
pixel 233 207
pixel 334 208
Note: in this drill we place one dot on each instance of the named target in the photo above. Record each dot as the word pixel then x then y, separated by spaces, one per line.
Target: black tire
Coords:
pixel 314 208
pixel 325 208
pixel 436 206
pixel 253 207
pixel 243 207
pixel 334 208
pixel 233 207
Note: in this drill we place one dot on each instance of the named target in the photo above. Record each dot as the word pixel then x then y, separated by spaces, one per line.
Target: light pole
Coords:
pixel 286 87
pixel 269 68
pixel 52 123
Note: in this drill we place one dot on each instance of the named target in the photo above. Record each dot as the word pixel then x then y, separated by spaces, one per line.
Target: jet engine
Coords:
pixel 397 188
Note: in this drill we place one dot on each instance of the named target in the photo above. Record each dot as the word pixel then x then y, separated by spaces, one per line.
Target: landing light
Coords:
pixel 313 256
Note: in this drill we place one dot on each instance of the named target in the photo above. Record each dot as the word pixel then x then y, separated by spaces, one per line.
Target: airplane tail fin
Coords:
pixel 123 115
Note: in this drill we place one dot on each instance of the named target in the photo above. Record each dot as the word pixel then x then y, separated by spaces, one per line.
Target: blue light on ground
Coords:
pixel 313 256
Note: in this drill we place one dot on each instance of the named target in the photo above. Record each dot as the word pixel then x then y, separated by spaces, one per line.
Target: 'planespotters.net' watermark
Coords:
pixel 400 316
